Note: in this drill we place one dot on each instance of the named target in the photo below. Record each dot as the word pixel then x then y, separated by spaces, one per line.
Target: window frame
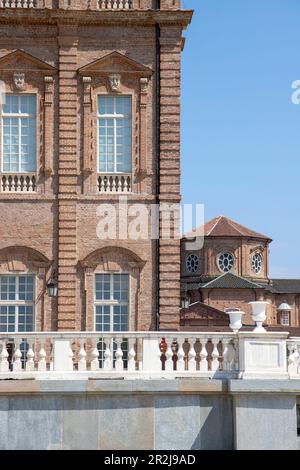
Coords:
pixel 226 252
pixel 111 302
pixel 196 261
pixel 253 268
pixel 21 303
pixel 107 116
pixel 286 313
pixel 19 116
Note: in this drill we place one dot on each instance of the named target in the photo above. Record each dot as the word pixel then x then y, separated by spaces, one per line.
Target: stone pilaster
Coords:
pixel 68 175
pixel 169 270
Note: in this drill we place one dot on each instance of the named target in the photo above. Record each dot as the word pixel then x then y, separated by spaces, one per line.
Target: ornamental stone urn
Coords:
pixel 235 317
pixel 259 315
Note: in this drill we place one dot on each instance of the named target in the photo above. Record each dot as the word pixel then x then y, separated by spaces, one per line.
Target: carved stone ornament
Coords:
pixel 19 80
pixel 114 81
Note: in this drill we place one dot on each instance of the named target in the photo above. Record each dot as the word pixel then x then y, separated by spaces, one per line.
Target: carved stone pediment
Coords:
pixel 22 62
pixel 115 63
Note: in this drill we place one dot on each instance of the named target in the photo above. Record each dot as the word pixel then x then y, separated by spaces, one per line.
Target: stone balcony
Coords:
pixel 136 355
pixel 92 4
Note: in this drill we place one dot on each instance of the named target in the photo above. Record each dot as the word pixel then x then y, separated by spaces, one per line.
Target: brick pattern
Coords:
pixel 169 271
pixel 68 168
pixel 60 220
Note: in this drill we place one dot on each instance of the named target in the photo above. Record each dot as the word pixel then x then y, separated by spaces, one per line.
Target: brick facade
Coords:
pixel 67 53
pixel 222 235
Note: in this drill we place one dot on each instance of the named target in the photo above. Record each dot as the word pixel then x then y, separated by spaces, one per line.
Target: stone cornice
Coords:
pixel 84 17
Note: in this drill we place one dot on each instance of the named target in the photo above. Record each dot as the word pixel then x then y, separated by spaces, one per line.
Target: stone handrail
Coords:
pixel 135 352
pixel 199 354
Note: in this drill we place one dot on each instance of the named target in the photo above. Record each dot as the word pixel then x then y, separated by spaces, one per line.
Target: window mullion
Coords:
pixel 115 145
pixel 19 137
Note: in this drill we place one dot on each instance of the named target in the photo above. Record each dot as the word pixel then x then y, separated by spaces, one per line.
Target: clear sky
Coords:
pixel 240 129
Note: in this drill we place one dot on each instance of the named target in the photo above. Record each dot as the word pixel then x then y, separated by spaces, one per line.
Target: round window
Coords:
pixel 226 262
pixel 257 261
pixel 192 263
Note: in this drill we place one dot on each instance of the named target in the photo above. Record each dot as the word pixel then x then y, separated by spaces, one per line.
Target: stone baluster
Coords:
pixel 169 356
pixel 131 355
pixel 180 365
pixel 126 6
pixel 4 364
pixel 215 364
pixel 109 3
pixel 42 365
pixel 107 354
pixel 81 356
pixel 29 367
pixel 227 356
pixel 119 355
pixel 293 359
pixel 17 363
pixel 30 184
pixel 192 355
pixel 203 356
pixel 94 356
pixel 121 5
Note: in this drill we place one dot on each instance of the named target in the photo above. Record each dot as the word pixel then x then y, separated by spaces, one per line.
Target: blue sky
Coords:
pixel 240 129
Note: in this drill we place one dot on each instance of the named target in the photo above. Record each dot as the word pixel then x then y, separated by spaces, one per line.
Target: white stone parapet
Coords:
pixel 149 354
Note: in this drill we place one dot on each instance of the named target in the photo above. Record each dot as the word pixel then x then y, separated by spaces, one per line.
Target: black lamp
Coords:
pixel 52 286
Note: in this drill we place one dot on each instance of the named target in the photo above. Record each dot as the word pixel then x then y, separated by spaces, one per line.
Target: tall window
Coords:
pixel 18 120
pixel 16 303
pixel 111 302
pixel 114 134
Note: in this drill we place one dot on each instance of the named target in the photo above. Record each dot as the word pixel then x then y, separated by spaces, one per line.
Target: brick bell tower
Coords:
pixel 106 79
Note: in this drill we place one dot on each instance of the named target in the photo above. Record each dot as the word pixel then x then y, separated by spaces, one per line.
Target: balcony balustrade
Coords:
pixel 114 183
pixel 149 354
pixel 18 183
pixel 18 3
pixel 115 4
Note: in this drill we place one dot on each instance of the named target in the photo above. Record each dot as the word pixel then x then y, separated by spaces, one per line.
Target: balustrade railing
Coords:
pixel 147 354
pixel 115 4
pixel 18 3
pixel 18 183
pixel 118 352
pixel 114 183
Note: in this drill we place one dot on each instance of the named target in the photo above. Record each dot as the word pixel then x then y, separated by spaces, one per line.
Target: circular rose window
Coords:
pixel 192 263
pixel 226 262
